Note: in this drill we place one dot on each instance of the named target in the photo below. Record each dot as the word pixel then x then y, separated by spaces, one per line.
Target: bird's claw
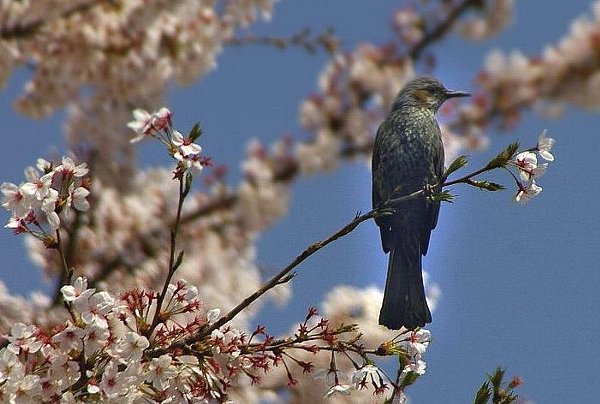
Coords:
pixel 429 191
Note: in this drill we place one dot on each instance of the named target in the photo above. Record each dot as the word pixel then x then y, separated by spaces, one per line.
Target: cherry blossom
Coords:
pixel 15 199
pixel 131 346
pixel 22 338
pixel 526 193
pixel 71 338
pixel 160 371
pixel 528 166
pixel 186 146
pixel 78 290
pixel 142 124
pixel 343 389
pixel 544 146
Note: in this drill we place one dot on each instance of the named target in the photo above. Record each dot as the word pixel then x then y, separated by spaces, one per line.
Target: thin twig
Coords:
pixel 464 180
pixel 66 272
pixel 388 208
pixel 310 250
pixel 327 40
pixel 441 28
pixel 173 264
pixel 67 256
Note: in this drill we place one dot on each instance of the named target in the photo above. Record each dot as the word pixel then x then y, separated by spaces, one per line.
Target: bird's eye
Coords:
pixel 430 89
pixel 433 89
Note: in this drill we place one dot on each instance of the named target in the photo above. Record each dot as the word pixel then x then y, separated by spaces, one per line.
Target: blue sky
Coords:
pixel 519 283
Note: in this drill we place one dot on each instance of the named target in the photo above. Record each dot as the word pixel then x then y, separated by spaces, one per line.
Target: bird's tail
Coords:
pixel 404 302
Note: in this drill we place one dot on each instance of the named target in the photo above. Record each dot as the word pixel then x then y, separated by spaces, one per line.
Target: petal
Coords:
pixel 546 155
pixel 29 188
pixel 53 220
pixel 141 115
pixel 177 138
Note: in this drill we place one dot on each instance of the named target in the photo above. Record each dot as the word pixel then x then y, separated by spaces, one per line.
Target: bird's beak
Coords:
pixel 455 94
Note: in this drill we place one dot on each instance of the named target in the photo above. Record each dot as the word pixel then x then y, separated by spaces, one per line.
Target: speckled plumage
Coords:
pixel 408 154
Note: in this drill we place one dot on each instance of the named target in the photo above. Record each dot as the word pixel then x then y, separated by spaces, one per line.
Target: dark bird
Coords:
pixel 408 156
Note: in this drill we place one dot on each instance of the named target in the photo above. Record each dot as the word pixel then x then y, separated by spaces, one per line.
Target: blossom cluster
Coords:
pixel 108 349
pixel 567 72
pixel 488 20
pixel 101 351
pixel 51 191
pixel 343 380
pixel 523 167
pixel 159 125
pixel 409 346
pixel 529 170
pixel 122 52
pixel 120 241
pixel 355 90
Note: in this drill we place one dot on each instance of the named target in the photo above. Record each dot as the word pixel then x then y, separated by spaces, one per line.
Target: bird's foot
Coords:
pixel 429 191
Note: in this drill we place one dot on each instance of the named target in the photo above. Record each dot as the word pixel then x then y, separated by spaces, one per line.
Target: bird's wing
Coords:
pixel 433 207
pixel 378 187
pixel 378 199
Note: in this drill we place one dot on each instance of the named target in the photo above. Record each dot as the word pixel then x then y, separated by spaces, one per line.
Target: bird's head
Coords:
pixel 425 92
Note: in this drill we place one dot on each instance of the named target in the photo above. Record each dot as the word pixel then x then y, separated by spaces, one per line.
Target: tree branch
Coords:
pixel 25 29
pixel 327 41
pixel 441 28
pixel 283 275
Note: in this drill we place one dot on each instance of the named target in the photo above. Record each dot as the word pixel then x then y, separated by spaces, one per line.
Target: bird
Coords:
pixel 408 156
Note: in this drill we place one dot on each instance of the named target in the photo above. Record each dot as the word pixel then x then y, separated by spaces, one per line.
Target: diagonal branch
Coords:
pixel 28 28
pixel 284 275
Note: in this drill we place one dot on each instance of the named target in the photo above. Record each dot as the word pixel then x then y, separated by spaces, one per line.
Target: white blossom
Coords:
pixel 213 315
pixel 365 372
pixel 544 146
pixel 161 371
pixel 528 165
pixel 141 124
pixel 185 145
pixel 131 346
pixel 343 389
pixel 77 290
pixel 15 199
pixel 528 192
pixel 113 384
pixel 22 338
pixel 417 342
pixel 71 338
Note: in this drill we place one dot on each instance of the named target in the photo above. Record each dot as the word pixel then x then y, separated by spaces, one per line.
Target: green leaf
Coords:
pixel 195 133
pixel 496 379
pixel 409 379
pixel 495 390
pixel 178 261
pixel 444 196
pixel 487 185
pixel 457 164
pixel 503 157
pixel 187 186
pixel 483 394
